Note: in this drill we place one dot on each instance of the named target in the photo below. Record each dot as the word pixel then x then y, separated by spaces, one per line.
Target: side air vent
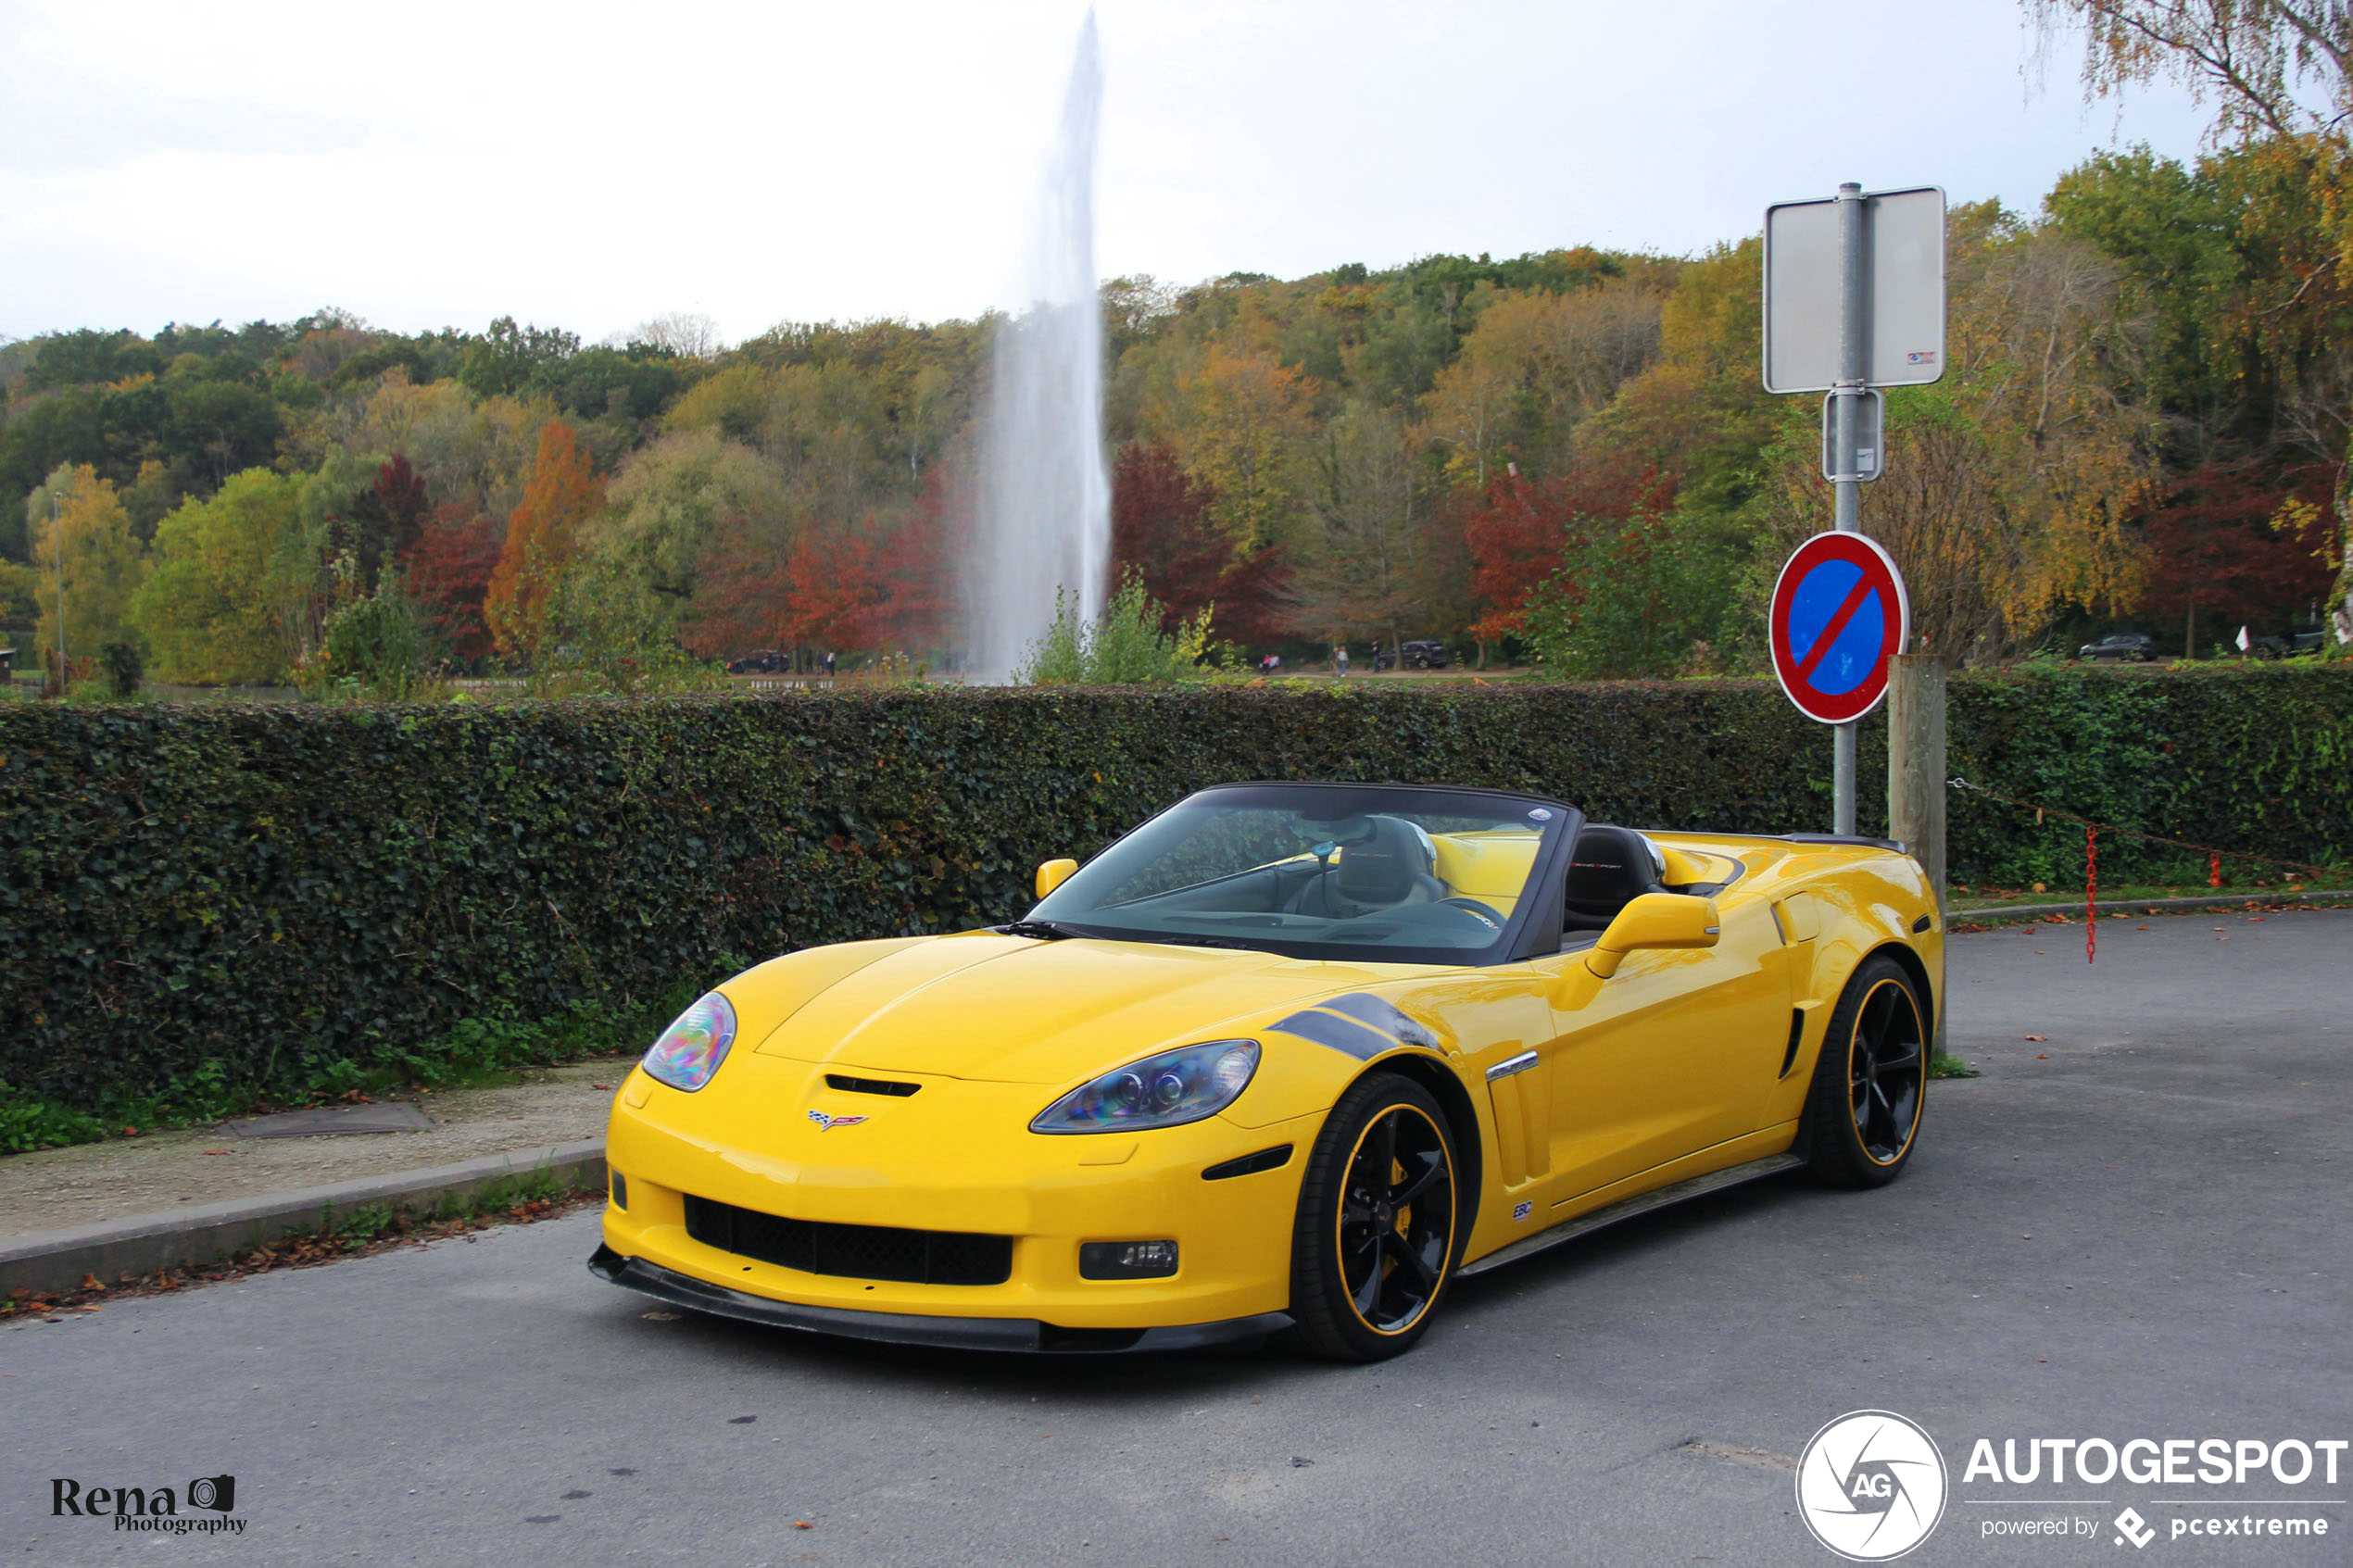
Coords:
pixel 1796 1033
pixel 1249 1164
pixel 849 1085
pixel 1921 924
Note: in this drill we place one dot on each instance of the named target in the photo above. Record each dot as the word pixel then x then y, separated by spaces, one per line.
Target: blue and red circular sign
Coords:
pixel 1838 615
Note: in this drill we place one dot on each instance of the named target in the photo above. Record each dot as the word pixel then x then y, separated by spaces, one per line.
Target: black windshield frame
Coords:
pixel 1533 926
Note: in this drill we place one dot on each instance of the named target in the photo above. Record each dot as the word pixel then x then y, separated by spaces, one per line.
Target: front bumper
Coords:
pixel 1019 1336
pixel 956 1158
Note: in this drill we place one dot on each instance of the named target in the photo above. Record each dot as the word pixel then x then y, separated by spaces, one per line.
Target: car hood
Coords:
pixel 1013 1010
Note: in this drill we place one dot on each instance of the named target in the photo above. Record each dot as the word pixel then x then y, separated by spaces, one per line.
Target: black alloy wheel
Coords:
pixel 1886 1071
pixel 1871 1084
pixel 1375 1238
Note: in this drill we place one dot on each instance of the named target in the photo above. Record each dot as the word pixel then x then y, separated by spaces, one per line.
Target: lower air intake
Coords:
pixel 853 1251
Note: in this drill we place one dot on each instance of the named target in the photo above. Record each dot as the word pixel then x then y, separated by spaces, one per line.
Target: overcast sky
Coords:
pixel 590 166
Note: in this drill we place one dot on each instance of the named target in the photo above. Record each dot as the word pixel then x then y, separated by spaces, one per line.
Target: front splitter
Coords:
pixel 1015 1335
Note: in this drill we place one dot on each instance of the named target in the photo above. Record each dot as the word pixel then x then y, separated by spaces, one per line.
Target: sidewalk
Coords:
pixel 126 1178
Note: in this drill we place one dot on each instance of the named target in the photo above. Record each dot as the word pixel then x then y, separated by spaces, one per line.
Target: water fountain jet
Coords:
pixel 1044 518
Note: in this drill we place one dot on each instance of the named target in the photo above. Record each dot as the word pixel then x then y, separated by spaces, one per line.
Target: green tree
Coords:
pixel 227 599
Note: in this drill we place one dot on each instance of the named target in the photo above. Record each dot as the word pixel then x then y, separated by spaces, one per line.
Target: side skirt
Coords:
pixel 1627 1207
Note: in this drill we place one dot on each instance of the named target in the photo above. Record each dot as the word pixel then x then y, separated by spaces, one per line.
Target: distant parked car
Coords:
pixel 767 661
pixel 1425 656
pixel 2300 640
pixel 2137 646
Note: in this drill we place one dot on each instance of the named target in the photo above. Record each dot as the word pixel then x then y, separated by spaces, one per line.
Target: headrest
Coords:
pixel 1386 865
pixel 1609 866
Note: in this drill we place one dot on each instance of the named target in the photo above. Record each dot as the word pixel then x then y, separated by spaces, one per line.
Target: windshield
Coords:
pixel 1321 871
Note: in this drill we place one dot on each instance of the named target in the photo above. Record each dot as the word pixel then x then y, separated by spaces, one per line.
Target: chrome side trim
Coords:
pixel 1626 1208
pixel 1519 1063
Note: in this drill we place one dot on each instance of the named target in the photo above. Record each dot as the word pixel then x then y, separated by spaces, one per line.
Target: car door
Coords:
pixel 1672 1055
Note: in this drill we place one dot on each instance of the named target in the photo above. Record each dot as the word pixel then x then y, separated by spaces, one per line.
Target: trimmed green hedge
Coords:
pixel 281 891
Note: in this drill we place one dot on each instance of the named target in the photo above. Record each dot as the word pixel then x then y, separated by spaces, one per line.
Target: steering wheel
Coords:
pixel 1473 907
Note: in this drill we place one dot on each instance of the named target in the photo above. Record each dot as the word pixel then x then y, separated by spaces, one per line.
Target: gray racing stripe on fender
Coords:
pixel 1359 1040
pixel 1365 1008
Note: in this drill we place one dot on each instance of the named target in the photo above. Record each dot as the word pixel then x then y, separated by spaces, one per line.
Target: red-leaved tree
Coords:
pixel 449 568
pixel 1161 528
pixel 1516 535
pixel 2215 555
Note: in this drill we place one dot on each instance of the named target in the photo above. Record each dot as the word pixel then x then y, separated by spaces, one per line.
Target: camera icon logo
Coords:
pixel 218 1493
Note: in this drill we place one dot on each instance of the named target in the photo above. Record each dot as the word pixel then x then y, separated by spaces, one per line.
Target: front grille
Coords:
pixel 858 1251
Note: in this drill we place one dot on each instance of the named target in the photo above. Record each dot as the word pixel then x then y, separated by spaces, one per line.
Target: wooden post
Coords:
pixel 1915 772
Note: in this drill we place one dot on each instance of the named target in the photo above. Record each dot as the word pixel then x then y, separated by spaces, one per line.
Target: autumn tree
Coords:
pixel 1533 368
pixel 2280 74
pixel 2009 488
pixel 1518 531
pixel 383 517
pixel 2224 549
pixel 447 571
pixel 86 562
pixel 1379 564
pixel 233 575
pixel 1162 529
pixel 543 536
pixel 1243 425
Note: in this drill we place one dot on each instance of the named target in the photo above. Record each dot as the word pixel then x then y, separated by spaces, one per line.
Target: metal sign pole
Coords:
pixel 1847 486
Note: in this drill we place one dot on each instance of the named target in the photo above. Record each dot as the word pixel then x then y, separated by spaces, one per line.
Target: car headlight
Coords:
pixel 690 1050
pixel 1166 1091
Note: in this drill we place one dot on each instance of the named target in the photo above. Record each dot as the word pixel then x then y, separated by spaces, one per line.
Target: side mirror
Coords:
pixel 1053 873
pixel 1655 919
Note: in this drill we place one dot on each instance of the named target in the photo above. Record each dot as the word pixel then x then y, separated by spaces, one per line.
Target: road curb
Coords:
pixel 2124 906
pixel 56 1261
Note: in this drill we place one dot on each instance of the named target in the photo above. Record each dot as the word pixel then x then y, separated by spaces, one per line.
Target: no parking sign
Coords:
pixel 1838 615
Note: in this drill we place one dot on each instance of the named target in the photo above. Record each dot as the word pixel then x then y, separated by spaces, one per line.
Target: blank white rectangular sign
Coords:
pixel 1904 280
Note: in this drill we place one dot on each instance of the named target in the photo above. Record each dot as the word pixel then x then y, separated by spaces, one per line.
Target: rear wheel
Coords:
pixel 1374 1244
pixel 1863 1112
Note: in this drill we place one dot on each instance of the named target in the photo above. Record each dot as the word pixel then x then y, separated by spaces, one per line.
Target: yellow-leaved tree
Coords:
pixel 2010 485
pixel 75 522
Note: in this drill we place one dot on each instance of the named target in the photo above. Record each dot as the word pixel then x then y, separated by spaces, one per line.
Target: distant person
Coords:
pixel 1339 659
pixel 1377 665
pixel 829 664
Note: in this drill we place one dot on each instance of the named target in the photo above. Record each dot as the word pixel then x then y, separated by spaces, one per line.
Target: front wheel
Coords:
pixel 1374 1244
pixel 1863 1110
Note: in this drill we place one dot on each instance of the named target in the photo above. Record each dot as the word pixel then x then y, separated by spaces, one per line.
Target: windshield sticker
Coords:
pixel 1540 814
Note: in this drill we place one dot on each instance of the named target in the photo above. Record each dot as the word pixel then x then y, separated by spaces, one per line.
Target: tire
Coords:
pixel 1345 1305
pixel 1863 1112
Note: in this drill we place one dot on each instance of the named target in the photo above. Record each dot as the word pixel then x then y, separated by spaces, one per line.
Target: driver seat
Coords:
pixel 1390 866
pixel 1608 869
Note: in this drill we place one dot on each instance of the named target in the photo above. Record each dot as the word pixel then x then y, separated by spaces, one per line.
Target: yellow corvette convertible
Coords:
pixel 1285 1059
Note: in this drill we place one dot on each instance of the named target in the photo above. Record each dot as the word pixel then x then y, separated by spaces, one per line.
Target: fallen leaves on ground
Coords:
pixel 286 1252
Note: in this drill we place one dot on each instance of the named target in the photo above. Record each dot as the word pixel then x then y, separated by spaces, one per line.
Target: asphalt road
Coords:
pixel 2138 1227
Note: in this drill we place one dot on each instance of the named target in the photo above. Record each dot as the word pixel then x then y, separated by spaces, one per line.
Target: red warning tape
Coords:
pixel 2214 857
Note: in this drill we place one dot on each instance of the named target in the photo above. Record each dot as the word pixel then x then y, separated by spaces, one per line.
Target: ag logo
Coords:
pixel 1870 1486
